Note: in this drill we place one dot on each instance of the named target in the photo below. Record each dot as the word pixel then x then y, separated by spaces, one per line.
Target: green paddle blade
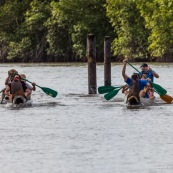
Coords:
pixel 161 91
pixel 112 94
pixel 106 89
pixel 49 91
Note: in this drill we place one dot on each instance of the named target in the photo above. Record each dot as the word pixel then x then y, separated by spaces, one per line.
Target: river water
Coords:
pixel 80 133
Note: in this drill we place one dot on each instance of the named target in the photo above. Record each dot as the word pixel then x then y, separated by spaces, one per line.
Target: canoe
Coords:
pixel 18 102
pixel 147 101
pixel 142 103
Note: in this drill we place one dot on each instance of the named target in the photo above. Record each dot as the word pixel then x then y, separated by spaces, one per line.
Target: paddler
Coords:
pixel 28 87
pixel 150 73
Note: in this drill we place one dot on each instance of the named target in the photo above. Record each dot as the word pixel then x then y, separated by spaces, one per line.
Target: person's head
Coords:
pixel 135 76
pixel 144 67
pixel 22 77
pixel 12 72
pixel 16 78
pixel 144 73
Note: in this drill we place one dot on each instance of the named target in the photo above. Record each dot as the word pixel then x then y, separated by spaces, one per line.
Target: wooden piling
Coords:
pixel 107 60
pixel 91 57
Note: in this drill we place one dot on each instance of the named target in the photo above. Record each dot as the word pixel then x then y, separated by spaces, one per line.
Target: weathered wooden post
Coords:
pixel 91 56
pixel 107 61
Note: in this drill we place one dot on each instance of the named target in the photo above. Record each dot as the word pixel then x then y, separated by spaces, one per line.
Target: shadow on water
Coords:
pixel 48 104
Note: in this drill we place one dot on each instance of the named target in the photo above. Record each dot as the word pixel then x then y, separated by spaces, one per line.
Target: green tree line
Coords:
pixel 56 30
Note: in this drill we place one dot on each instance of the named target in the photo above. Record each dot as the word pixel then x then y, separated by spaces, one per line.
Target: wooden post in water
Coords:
pixel 107 61
pixel 91 56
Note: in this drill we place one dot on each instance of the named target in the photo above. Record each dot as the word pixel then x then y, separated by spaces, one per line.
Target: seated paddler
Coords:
pixel 28 88
pixel 8 80
pixel 148 91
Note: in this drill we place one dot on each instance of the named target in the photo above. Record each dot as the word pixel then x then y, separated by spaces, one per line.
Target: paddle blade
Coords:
pixel 49 91
pixel 160 90
pixel 106 89
pixel 111 94
pixel 166 98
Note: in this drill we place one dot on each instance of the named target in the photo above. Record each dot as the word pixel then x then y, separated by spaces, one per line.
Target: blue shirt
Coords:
pixel 149 75
pixel 142 83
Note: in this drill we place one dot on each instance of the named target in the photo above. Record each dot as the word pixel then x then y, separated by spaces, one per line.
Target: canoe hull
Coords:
pixel 19 101
pixel 143 102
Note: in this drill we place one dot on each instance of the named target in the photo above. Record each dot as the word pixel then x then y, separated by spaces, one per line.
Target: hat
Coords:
pixel 144 65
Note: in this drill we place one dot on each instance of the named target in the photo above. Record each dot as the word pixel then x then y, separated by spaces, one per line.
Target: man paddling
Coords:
pixel 29 88
pixel 150 73
pixel 8 80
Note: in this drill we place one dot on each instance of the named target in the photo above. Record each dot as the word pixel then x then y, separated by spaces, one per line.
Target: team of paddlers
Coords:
pixel 16 85
pixel 139 84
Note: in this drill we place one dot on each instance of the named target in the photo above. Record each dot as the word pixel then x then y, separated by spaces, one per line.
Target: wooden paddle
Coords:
pixel 112 94
pixel 106 89
pixel 48 91
pixel 166 98
pixel 158 89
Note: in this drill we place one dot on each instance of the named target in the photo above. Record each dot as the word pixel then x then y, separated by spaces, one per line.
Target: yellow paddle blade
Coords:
pixel 166 98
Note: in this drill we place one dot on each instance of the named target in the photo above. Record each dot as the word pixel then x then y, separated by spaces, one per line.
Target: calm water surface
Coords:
pixel 80 133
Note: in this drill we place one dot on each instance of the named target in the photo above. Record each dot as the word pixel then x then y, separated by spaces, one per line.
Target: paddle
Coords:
pixel 166 98
pixel 48 91
pixel 112 94
pixel 106 89
pixel 158 89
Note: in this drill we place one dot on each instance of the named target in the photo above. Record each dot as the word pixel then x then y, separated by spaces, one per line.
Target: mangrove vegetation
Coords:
pixel 56 30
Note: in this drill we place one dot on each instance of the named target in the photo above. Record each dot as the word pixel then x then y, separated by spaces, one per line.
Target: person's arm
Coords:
pixel 7 91
pixel 33 88
pixel 33 85
pixel 124 70
pixel 153 73
pixel 7 80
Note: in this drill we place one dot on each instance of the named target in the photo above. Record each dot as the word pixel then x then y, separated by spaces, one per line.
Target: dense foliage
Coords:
pixel 56 30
